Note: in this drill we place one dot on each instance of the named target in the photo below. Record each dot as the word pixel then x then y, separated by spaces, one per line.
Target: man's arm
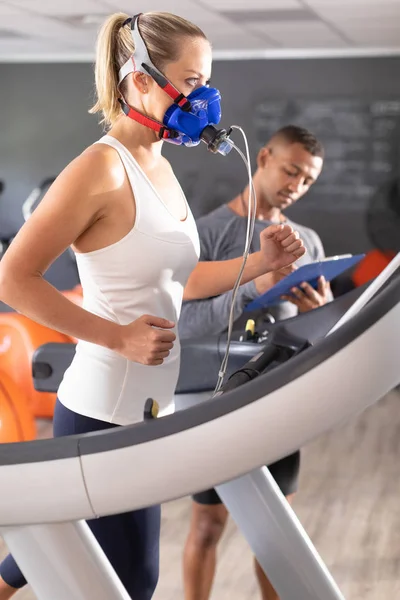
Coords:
pixel 211 316
pixel 280 248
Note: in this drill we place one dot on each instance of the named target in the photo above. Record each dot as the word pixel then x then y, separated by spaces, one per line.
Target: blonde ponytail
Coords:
pixel 114 47
pixel 161 32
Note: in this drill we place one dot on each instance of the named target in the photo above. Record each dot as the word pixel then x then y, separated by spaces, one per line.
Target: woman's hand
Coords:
pixel 280 247
pixel 146 340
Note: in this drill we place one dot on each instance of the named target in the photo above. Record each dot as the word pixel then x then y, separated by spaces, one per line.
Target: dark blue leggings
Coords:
pixel 129 540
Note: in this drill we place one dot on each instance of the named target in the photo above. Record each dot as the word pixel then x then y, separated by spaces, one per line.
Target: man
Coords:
pixel 286 168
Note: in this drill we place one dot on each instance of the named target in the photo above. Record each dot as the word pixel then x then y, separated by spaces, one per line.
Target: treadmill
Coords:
pixel 288 383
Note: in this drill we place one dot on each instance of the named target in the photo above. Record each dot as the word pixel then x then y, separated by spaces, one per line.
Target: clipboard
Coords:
pixel 328 268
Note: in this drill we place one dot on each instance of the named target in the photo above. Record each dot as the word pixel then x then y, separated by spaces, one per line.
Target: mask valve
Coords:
pixel 217 140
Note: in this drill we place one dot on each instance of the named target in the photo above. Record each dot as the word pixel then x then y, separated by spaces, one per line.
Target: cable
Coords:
pixel 249 236
pixel 251 217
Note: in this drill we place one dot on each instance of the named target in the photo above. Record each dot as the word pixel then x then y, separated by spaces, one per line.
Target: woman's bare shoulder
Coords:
pixel 99 163
pixel 88 178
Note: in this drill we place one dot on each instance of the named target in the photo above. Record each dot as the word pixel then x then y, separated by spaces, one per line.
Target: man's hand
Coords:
pixel 265 282
pixel 306 298
pixel 280 247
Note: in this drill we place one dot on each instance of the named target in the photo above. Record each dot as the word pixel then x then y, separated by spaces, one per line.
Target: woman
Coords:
pixel 122 210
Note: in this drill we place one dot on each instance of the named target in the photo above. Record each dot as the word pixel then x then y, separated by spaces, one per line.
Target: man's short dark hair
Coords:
pixel 292 134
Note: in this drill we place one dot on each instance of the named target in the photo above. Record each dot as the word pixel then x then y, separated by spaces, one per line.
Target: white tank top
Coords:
pixel 143 273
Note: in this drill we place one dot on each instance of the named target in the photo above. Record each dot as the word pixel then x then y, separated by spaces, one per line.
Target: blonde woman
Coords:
pixel 123 212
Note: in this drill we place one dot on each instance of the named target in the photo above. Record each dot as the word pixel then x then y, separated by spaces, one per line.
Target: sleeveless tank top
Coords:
pixel 143 273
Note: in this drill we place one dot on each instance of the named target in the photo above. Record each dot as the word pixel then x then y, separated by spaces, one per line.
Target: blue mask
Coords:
pixel 205 109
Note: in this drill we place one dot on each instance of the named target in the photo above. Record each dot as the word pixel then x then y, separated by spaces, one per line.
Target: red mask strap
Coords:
pixel 163 132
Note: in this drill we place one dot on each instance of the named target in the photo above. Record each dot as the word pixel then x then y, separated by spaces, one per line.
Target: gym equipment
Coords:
pixel 279 395
pixel 383 229
pixel 16 421
pixel 373 264
pixel 19 338
pixel 382 223
pixel 383 217
pixel 294 397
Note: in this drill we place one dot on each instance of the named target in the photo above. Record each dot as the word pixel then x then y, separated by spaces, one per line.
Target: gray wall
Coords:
pixel 44 123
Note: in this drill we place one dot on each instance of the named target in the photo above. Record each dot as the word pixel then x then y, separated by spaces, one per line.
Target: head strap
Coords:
pixel 140 61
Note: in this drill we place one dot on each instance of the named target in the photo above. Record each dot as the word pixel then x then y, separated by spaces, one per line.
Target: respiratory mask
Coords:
pixel 190 119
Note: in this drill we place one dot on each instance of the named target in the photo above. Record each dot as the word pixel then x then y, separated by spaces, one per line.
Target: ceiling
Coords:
pixel 65 30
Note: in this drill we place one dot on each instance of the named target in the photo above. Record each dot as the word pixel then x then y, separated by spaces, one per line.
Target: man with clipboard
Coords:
pixel 287 166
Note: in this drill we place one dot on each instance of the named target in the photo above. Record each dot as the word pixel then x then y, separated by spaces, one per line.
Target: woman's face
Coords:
pixel 190 71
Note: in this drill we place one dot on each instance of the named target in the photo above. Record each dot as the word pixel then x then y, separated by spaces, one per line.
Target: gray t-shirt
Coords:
pixel 222 237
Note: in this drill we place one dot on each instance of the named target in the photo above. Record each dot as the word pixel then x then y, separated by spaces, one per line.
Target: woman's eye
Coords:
pixel 290 173
pixel 192 81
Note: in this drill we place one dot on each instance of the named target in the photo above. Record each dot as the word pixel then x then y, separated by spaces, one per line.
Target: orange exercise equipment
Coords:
pixel 16 420
pixel 371 265
pixel 19 338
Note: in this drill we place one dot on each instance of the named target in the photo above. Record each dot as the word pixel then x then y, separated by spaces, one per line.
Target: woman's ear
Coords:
pixel 141 81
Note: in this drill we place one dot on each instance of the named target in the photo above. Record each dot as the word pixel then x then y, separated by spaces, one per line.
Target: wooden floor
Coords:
pixel 349 503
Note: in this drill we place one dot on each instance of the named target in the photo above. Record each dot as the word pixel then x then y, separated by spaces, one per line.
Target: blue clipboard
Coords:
pixel 329 268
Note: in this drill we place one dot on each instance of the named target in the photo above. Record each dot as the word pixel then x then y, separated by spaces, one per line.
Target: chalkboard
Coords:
pixel 361 140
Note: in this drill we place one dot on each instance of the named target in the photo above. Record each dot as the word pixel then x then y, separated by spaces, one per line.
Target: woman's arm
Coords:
pixel 280 247
pixel 70 207
pixel 76 202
